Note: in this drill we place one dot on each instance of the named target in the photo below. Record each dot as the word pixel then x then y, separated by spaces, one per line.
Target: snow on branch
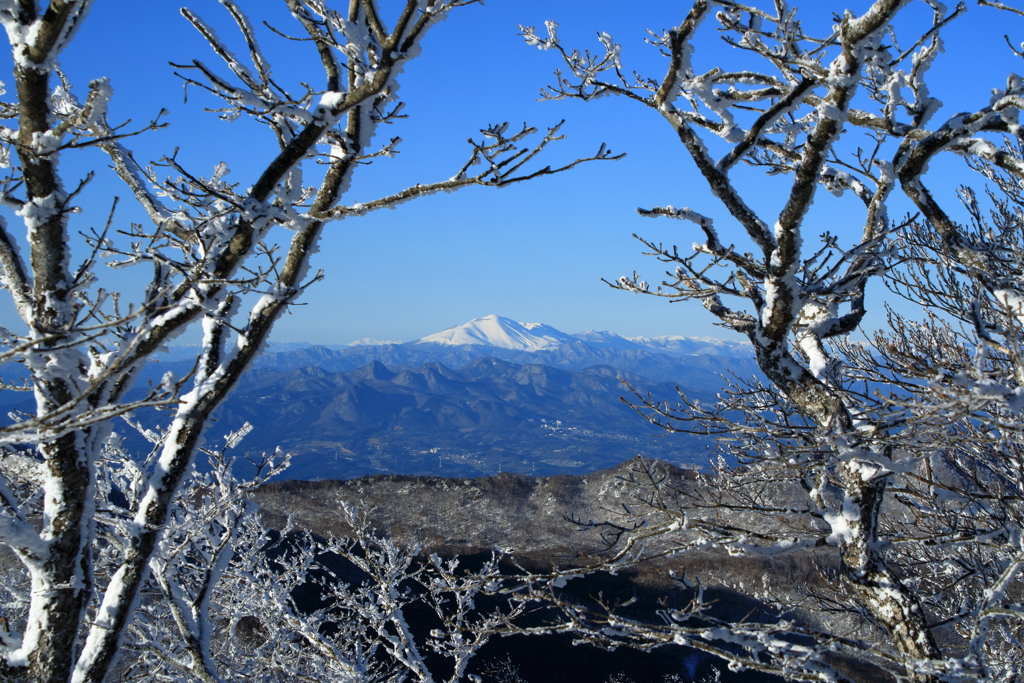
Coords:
pixel 503 160
pixel 230 260
pixel 894 458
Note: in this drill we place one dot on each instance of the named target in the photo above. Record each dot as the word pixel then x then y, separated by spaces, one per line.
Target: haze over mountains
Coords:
pixel 696 363
pixel 491 395
pixel 498 336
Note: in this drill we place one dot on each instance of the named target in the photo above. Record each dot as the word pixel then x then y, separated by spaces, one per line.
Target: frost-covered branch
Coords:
pixel 897 460
pixel 503 160
pixel 217 259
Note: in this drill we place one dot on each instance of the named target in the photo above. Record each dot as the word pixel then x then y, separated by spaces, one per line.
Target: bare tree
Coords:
pixel 898 461
pixel 223 258
pixel 230 601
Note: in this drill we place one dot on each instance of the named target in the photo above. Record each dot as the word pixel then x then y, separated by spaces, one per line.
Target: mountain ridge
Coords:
pixel 501 332
pixel 497 333
pixel 489 416
pixel 488 396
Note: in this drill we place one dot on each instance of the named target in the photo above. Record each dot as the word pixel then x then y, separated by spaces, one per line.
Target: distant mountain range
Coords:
pixel 486 417
pixel 494 330
pixel 695 362
pixel 487 396
pixel 492 334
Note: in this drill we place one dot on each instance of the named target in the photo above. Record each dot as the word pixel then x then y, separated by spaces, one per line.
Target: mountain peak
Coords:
pixel 505 333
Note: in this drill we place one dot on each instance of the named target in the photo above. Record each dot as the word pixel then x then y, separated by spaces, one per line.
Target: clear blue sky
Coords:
pixel 534 252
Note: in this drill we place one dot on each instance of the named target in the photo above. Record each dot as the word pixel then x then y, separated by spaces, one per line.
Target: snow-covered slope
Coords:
pixel 505 333
pixel 494 330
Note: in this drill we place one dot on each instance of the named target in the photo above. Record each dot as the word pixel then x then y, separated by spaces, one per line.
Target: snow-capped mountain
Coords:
pixel 494 335
pixel 441 402
pixel 504 333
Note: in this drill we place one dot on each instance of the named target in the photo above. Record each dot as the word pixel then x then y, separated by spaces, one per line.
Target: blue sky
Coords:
pixel 534 252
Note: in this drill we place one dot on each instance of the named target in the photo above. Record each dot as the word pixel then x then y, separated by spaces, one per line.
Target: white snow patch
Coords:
pixel 368 341
pixel 494 330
